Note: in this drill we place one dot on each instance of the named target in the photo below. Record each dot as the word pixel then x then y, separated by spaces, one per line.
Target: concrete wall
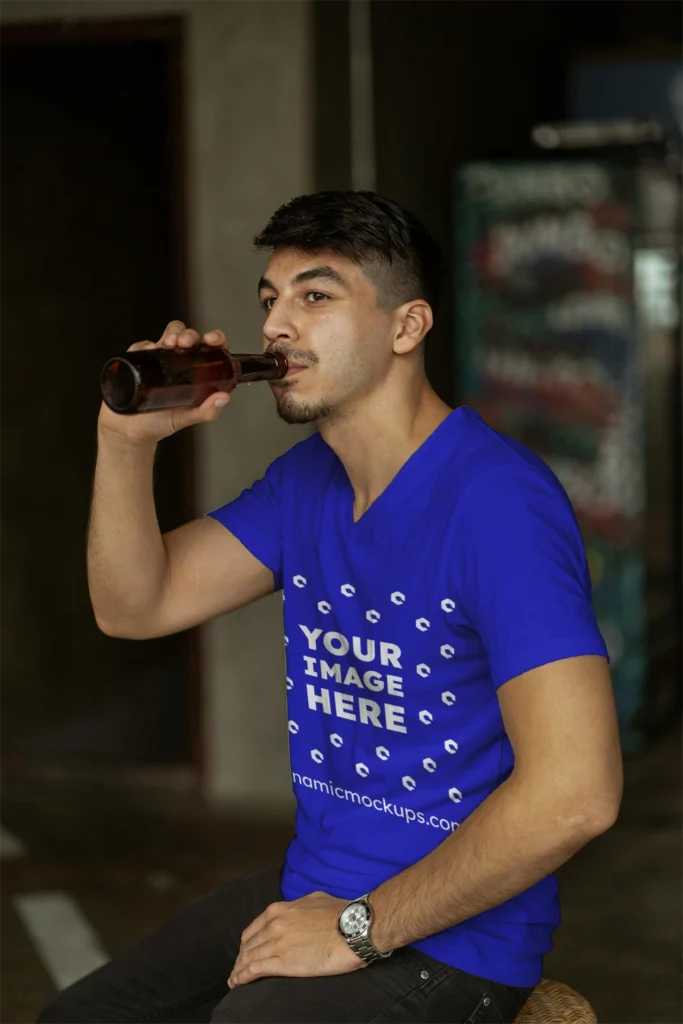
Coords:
pixel 248 96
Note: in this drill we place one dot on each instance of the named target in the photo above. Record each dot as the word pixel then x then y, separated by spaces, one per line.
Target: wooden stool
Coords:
pixel 551 1002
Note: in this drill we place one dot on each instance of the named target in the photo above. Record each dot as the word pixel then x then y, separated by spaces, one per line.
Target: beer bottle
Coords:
pixel 151 379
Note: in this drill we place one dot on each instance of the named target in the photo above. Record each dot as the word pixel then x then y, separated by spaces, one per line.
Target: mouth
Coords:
pixel 289 378
pixel 293 370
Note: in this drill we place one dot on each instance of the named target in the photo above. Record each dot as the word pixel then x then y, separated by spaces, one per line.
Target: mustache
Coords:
pixel 292 355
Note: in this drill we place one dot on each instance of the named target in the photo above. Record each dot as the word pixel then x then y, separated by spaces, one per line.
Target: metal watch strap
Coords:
pixel 363 948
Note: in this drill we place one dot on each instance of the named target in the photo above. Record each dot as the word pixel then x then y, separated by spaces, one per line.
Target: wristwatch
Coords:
pixel 355 922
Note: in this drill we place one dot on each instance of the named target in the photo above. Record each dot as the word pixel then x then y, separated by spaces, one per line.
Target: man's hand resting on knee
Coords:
pixel 299 939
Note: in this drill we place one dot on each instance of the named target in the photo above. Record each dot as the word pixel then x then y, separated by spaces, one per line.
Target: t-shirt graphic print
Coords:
pixel 372 717
pixel 467 571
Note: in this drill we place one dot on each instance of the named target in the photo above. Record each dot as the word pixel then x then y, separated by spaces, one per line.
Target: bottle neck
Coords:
pixel 251 368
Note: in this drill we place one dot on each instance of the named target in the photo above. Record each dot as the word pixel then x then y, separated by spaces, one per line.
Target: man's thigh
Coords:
pixel 178 973
pixel 408 987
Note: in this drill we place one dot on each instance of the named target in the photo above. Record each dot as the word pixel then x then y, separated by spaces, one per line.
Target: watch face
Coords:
pixel 353 919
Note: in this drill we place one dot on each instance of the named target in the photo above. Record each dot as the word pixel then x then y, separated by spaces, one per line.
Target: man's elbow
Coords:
pixel 125 631
pixel 593 814
pixel 603 817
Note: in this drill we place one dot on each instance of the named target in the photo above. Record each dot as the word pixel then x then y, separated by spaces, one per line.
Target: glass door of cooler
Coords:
pixel 562 342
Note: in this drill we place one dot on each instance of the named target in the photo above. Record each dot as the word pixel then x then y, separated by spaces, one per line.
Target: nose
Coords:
pixel 279 327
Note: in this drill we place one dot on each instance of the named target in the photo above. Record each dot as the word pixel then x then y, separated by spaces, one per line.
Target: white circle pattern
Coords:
pixel 426 717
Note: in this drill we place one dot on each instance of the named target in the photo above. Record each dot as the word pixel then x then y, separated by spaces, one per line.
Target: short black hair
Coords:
pixel 393 247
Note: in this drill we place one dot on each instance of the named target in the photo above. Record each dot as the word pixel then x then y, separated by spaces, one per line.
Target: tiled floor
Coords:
pixel 129 864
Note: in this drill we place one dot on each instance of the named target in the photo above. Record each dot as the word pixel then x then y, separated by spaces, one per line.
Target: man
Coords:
pixel 452 729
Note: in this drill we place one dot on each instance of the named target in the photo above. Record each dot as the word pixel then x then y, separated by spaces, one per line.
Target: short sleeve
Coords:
pixel 255 518
pixel 521 572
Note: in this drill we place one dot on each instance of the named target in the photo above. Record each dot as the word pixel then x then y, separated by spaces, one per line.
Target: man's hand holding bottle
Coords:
pixel 154 426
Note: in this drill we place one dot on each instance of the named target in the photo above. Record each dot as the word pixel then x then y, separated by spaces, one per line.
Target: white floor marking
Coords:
pixel 66 943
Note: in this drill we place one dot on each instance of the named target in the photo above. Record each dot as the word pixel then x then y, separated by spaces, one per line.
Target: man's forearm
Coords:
pixel 516 837
pixel 127 560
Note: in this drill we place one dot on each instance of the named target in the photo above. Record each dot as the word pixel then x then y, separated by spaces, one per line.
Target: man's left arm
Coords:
pixel 565 789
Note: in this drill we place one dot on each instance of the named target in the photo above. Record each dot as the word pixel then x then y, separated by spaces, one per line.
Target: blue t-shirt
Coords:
pixel 468 570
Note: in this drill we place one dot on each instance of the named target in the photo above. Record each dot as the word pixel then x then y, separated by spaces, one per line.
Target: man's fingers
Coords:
pixel 178 335
pixel 181 339
pixel 188 337
pixel 216 338
pixel 257 924
pixel 208 411
pixel 242 974
pixel 254 928
pixel 140 345
pixel 266 934
pixel 273 912
pixel 173 329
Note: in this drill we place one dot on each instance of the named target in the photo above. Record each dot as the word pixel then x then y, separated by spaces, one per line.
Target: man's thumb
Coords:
pixel 206 412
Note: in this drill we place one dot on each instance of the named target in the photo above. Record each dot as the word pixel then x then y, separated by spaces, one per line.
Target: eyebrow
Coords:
pixel 322 273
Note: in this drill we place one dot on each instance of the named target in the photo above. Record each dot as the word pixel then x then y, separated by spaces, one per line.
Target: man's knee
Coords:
pixel 75 1006
pixel 220 1012
pixel 59 1011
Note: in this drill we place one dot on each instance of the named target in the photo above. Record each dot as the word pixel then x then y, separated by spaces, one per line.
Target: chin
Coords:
pixel 293 410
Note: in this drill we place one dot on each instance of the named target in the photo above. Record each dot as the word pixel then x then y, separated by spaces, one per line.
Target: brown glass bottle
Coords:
pixel 152 379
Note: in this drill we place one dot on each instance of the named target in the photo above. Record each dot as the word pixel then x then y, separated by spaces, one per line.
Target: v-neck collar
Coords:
pixel 414 472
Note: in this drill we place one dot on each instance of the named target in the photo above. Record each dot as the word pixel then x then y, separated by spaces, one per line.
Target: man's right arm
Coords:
pixel 143 584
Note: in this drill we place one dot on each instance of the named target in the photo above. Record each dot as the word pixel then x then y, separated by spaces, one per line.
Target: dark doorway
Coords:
pixel 92 246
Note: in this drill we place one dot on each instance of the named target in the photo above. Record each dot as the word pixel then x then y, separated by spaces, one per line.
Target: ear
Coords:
pixel 415 320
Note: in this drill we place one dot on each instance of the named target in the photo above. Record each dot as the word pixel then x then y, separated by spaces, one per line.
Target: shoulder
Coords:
pixel 310 459
pixel 497 473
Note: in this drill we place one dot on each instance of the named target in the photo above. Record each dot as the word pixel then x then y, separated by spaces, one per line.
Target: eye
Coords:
pixel 266 303
pixel 316 296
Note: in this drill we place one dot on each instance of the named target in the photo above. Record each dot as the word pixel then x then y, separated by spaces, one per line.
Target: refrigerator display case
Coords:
pixel 568 338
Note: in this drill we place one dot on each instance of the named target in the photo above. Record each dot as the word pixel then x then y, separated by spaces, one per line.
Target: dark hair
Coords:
pixel 391 245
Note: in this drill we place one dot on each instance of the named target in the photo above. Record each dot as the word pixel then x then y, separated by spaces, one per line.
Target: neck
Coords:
pixel 379 434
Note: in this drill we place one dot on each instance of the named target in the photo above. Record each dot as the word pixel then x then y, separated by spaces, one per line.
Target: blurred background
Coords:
pixel 144 143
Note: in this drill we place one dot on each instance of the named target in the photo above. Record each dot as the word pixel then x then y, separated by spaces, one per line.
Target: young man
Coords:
pixel 452 729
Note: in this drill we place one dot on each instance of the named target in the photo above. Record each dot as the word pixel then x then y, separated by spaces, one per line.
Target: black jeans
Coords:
pixel 178 975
